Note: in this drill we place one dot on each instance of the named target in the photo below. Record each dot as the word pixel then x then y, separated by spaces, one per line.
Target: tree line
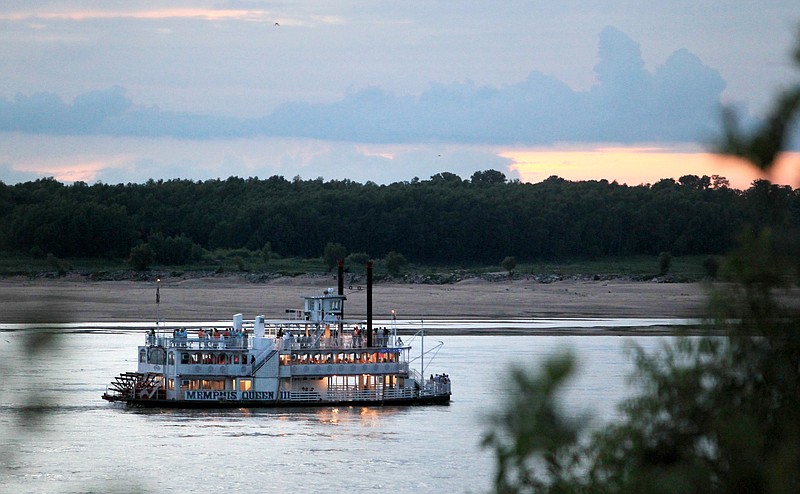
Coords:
pixel 445 219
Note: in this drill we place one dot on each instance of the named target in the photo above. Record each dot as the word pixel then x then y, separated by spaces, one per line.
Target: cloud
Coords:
pixel 46 113
pixel 678 101
pixel 10 175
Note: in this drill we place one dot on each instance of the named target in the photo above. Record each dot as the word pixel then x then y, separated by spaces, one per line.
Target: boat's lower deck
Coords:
pixel 160 403
pixel 154 389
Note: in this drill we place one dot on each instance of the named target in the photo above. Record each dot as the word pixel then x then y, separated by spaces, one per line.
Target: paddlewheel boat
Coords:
pixel 312 357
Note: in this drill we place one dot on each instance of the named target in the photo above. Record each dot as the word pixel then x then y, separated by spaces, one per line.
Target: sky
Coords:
pixel 383 91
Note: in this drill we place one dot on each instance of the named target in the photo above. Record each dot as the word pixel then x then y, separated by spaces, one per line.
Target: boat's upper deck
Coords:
pixel 287 335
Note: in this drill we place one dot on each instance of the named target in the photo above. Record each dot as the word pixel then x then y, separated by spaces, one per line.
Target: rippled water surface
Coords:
pixel 85 444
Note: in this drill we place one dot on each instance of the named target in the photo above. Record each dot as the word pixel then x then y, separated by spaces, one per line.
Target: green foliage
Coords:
pixel 141 257
pixel 509 263
pixel 711 267
pixel 333 253
pixel 488 177
pixel 716 414
pixel 174 250
pixel 394 262
pixel 664 262
pixel 58 265
pixel 266 253
pixel 532 439
pixel 442 220
pixel 357 261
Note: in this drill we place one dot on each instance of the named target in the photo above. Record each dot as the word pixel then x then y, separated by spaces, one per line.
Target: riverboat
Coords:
pixel 311 357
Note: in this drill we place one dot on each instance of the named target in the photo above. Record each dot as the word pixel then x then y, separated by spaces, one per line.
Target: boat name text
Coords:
pixel 230 395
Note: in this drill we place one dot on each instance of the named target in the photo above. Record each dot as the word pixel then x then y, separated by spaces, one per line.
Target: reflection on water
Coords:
pixel 86 444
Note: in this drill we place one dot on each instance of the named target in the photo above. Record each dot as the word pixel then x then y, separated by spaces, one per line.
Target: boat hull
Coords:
pixel 194 404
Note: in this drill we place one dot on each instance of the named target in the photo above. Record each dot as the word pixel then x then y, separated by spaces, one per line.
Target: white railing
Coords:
pixel 346 368
pixel 300 396
pixel 221 343
pixel 214 369
pixel 430 387
pixel 293 341
pixel 378 394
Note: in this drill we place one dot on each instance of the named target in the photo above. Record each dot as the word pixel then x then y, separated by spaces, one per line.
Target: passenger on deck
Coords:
pixel 182 335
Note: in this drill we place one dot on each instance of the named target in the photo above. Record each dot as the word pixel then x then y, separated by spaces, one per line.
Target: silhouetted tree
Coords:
pixel 141 257
pixel 488 177
pixel 332 254
pixel 714 415
pixel 664 262
pixel 509 263
pixel 394 262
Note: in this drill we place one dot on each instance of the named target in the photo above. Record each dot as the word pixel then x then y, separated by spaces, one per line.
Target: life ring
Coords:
pixel 330 368
pixel 197 368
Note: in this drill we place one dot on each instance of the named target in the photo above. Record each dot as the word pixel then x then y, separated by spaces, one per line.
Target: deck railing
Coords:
pixel 294 342
pixel 341 393
pixel 221 343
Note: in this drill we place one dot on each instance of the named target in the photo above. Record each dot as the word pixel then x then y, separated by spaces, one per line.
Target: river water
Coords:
pixel 83 444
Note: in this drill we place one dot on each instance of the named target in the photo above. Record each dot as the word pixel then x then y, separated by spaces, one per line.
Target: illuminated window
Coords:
pixel 245 384
pixel 170 383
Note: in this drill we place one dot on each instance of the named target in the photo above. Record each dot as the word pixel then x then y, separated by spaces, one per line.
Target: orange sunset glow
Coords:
pixel 79 15
pixel 643 165
pixel 74 169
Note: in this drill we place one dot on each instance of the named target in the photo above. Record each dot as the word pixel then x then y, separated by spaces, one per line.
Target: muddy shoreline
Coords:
pixel 217 298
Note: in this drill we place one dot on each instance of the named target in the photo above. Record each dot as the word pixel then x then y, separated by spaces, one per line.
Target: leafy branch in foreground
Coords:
pixel 715 414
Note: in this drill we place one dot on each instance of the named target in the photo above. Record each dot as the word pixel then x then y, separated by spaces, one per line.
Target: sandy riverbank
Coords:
pixel 216 298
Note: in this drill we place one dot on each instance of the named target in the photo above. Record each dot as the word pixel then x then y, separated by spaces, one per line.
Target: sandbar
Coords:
pixel 214 298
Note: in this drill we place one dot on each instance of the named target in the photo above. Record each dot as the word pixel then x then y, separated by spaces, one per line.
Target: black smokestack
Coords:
pixel 369 304
pixel 340 277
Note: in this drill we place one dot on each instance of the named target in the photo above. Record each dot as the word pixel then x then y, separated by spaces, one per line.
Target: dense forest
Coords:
pixel 445 219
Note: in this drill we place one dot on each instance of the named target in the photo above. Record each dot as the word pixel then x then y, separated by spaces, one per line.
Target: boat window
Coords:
pixel 156 356
pixel 142 356
pixel 170 382
pixel 213 384
pixel 245 384
pixel 184 358
pixel 171 358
